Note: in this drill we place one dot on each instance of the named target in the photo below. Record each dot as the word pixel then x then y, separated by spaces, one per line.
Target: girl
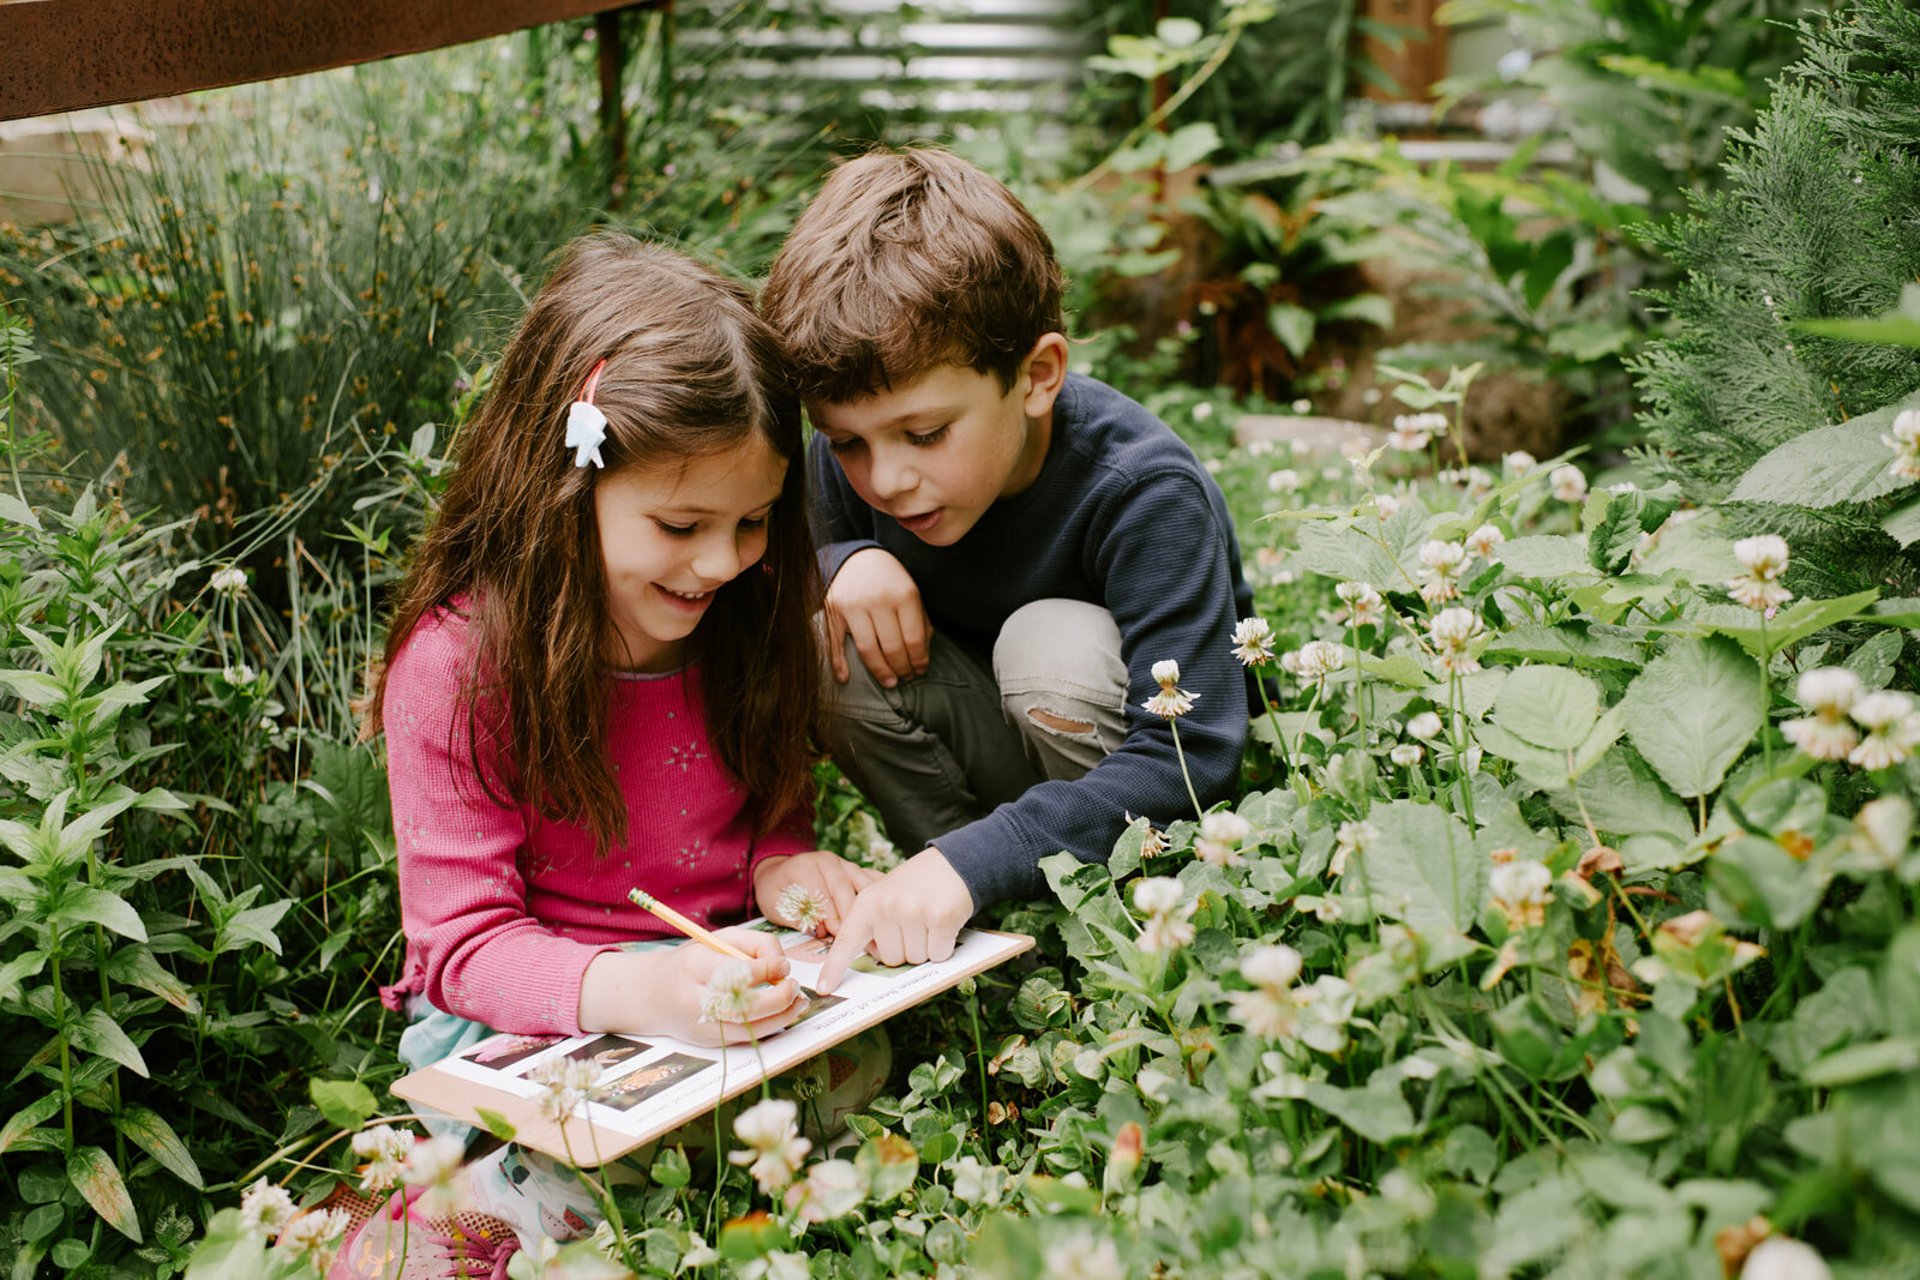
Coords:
pixel 602 672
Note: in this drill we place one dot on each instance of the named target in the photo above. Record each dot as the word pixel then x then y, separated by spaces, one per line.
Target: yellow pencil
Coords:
pixel 647 902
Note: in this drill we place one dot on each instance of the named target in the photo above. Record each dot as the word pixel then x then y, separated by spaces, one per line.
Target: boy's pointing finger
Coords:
pixel 852 939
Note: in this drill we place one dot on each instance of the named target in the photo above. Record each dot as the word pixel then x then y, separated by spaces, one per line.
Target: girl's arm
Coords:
pixel 665 992
pixel 463 901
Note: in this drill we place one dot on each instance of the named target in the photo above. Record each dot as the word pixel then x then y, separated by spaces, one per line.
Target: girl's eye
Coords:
pixel 925 438
pixel 754 522
pixel 674 530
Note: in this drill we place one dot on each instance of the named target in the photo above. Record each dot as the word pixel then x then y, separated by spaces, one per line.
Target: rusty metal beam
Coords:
pixel 60 55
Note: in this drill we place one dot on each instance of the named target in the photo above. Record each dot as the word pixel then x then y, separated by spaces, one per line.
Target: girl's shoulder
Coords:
pixel 439 651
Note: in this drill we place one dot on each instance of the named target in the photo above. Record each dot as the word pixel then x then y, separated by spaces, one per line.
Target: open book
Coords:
pixel 651 1085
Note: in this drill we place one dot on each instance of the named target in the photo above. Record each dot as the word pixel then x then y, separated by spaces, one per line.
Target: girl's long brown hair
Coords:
pixel 691 371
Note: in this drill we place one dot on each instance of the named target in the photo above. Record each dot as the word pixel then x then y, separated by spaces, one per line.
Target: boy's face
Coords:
pixel 936 452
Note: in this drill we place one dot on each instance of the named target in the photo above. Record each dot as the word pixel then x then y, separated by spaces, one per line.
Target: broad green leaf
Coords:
pixel 254 924
pixel 16 971
pixel 345 1103
pixel 1423 868
pixel 1757 882
pixel 97 906
pixel 1864 1062
pixel 98 1181
pixel 229 1251
pixel 1874 662
pixel 1902 611
pixel 98 1033
pixel 1293 325
pixel 1370 308
pixel 1536 765
pixel 1548 556
pixel 1549 707
pixel 1378 1115
pixel 1693 711
pixel 1570 643
pixel 145 1129
pixel 1190 144
pixel 14 511
pixel 28 1118
pixel 495 1123
pixel 1899 327
pixel 37 688
pixel 1829 465
pixel 1790 626
pixel 137 967
pixel 1901 983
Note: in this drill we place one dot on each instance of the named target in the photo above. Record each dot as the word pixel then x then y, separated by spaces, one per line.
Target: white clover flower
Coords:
pixel 1764 557
pixel 265 1208
pixel 1406 754
pixel 1520 891
pixel 1364 605
pixel 1519 462
pixel 1260 448
pixel 1168 926
pixel 1264 1012
pixel 1221 835
pixel 1157 895
pixel 1386 506
pixel 238 674
pixel 385 1150
pixel 315 1236
pixel 1405 437
pixel 1884 828
pixel 1253 642
pixel 1326 1007
pixel 1443 562
pixel 1202 411
pixel 1452 632
pixel 1828 692
pixel 1893 729
pixel 1081 1258
pixel 774 1145
pixel 729 993
pixel 1569 483
pixel 433 1165
pixel 1905 443
pixel 230 581
pixel 1170 703
pixel 976 1183
pixel 1350 839
pixel 1317 659
pixel 781 1264
pixel 565 1083
pixel 1784 1258
pixel 802 906
pixel 1166 673
pixel 1426 726
pixel 832 1189
pixel 1285 480
pixel 1302 405
pixel 1485 541
pixel 1275 966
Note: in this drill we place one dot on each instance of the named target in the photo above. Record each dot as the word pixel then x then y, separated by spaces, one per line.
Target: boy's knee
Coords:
pixel 1066 645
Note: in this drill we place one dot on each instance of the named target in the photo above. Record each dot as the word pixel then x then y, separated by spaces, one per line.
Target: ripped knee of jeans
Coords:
pixel 1062 726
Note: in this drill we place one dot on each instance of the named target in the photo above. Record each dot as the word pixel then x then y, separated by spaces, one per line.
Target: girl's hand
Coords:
pixel 665 992
pixel 832 878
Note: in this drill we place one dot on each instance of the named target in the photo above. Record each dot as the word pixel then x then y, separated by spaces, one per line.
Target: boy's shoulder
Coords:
pixel 1116 435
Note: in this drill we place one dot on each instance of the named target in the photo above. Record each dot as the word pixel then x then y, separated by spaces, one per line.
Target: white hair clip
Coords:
pixel 586 425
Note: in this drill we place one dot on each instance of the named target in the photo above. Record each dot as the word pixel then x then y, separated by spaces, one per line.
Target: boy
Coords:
pixel 1009 549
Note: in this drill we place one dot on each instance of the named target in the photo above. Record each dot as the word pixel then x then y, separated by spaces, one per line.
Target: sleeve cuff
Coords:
pixel 835 554
pixel 994 858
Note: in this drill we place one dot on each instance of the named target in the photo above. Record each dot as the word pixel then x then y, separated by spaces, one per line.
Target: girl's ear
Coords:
pixel 1042 375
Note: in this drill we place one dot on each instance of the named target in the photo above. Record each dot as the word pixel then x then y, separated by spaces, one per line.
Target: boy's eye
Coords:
pixel 924 438
pixel 847 445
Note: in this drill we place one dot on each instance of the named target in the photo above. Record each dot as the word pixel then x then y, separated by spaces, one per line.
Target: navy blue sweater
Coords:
pixel 1122 515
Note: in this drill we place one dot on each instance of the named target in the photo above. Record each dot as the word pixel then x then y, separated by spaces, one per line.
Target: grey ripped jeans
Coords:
pixel 936 752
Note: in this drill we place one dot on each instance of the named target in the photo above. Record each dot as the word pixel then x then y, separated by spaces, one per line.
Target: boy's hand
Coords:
pixel 911 915
pixel 873 599
pixel 665 992
pixel 837 881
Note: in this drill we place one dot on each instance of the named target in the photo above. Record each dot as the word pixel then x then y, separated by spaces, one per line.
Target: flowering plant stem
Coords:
pixel 1185 776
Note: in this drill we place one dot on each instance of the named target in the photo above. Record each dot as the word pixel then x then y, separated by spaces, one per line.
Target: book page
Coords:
pixel 650 1085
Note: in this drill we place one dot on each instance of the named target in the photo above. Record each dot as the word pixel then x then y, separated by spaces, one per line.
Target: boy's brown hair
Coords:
pixel 691 370
pixel 907 261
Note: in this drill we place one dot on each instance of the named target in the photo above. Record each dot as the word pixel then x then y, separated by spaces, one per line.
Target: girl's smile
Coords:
pixel 672 533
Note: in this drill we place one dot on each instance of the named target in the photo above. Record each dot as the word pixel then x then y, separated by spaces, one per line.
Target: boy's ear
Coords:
pixel 1044 373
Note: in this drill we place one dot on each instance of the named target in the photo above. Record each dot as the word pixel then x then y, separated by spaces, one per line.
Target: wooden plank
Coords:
pixel 61 55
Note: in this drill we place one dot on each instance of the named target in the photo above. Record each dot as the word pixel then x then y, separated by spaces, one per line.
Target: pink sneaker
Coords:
pixel 393 1242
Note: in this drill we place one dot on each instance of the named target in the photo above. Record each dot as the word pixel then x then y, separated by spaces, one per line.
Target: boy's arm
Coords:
pixel 1169 585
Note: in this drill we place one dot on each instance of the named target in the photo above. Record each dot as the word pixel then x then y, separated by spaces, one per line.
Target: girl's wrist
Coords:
pixel 609 987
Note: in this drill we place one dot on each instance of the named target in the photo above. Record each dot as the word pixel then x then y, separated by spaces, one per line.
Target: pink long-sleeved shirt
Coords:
pixel 504 910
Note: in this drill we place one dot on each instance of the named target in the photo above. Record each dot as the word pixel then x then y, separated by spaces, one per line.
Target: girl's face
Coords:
pixel 673 534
